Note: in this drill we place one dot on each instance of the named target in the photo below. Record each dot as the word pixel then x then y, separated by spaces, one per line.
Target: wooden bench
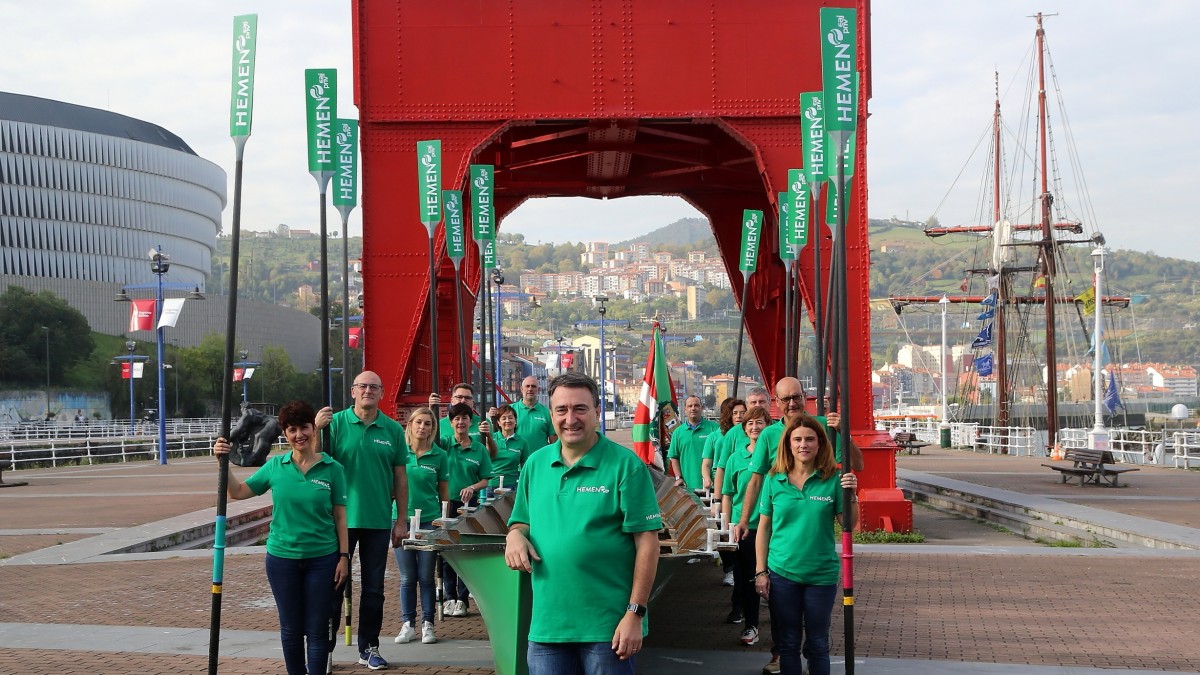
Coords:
pixel 1093 466
pixel 908 441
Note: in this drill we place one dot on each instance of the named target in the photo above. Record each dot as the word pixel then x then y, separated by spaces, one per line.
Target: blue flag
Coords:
pixel 986 314
pixel 983 365
pixel 989 301
pixel 984 338
pixel 1112 398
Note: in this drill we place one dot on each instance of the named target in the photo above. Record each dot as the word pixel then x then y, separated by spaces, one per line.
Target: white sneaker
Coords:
pixel 406 634
pixel 728 580
pixel 448 608
pixel 427 636
pixel 460 608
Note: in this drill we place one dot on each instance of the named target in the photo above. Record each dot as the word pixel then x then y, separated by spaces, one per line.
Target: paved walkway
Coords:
pixel 971 601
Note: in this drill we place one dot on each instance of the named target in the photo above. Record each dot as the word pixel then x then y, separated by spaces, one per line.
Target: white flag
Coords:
pixel 138 368
pixel 170 311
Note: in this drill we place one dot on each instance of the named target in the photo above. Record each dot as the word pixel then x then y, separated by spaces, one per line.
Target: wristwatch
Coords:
pixel 640 610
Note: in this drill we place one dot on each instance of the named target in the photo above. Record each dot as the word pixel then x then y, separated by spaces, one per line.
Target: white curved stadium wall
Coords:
pixel 80 210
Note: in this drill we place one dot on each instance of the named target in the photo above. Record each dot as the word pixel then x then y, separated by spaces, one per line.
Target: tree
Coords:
pixel 25 318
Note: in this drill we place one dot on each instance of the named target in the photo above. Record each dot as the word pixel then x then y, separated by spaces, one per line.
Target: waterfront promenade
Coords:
pixel 970 600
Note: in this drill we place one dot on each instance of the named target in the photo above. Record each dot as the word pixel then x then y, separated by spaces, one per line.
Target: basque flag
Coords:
pixel 655 406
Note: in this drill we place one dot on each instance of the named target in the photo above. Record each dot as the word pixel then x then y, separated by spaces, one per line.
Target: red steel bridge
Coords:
pixel 602 99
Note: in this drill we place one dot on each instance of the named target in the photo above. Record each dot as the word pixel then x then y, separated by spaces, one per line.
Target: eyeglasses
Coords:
pixel 790 399
pixel 461 397
pixel 364 387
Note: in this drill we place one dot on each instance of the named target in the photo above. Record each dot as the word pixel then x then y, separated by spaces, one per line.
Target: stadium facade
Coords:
pixel 86 193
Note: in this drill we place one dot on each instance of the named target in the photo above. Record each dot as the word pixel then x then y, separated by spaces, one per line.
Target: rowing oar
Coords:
pixel 245 41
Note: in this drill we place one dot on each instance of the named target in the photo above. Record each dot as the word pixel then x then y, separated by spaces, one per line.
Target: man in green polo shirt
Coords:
pixel 585 523
pixel 789 395
pixel 687 442
pixel 464 393
pixel 371 447
pixel 533 418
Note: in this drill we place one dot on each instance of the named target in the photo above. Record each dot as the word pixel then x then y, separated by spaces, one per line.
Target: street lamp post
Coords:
pixel 944 427
pixel 603 310
pixel 131 345
pixel 498 340
pixel 159 264
pixel 247 367
pixel 560 339
pixel 47 329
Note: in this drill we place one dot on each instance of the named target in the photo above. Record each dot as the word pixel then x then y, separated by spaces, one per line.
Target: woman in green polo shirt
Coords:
pixel 307 558
pixel 428 478
pixel 737 475
pixel 797 563
pixel 511 451
pixel 470 469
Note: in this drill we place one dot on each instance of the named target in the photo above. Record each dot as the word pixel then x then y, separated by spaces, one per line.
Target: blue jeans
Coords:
pixel 454 588
pixel 800 615
pixel 303 590
pixel 372 560
pixel 416 567
pixel 577 658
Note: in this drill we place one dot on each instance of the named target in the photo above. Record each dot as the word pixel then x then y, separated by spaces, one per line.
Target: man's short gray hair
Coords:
pixel 573 379
pixel 758 391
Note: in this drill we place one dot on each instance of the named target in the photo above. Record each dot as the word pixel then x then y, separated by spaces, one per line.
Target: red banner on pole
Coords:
pixel 237 374
pixel 355 337
pixel 141 314
pixel 125 368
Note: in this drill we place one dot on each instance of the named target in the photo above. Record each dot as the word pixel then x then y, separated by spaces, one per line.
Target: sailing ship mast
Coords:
pixel 1048 253
pixel 1003 264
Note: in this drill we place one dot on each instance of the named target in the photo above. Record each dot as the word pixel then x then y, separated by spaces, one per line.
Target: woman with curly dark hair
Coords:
pixel 307 548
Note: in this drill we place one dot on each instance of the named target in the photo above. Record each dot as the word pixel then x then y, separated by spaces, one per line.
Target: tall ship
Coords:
pixel 1025 302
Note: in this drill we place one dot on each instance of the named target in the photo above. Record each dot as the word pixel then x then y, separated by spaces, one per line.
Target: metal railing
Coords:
pixel 107 429
pixel 1187 448
pixel 28 454
pixel 1014 441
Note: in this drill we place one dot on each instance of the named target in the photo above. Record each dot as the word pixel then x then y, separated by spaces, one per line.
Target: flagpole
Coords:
pixel 245 42
pixel 1098 436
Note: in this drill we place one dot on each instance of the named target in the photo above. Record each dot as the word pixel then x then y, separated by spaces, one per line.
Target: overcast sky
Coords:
pixel 1126 70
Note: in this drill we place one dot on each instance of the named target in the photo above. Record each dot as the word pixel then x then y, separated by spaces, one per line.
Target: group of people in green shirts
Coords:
pixel 585 519
pixel 780 490
pixel 328 504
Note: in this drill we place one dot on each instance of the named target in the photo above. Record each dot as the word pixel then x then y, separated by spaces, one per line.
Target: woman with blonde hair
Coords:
pixel 428 477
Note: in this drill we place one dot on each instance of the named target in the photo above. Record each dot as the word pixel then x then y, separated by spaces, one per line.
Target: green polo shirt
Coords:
pixel 768 445
pixel 580 520
pixel 734 438
pixel 302 505
pixel 467 465
pixel 446 430
pixel 712 450
pixel 368 452
pixel 687 445
pixel 511 454
pixel 737 476
pixel 424 474
pixel 533 425
pixel 802 544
